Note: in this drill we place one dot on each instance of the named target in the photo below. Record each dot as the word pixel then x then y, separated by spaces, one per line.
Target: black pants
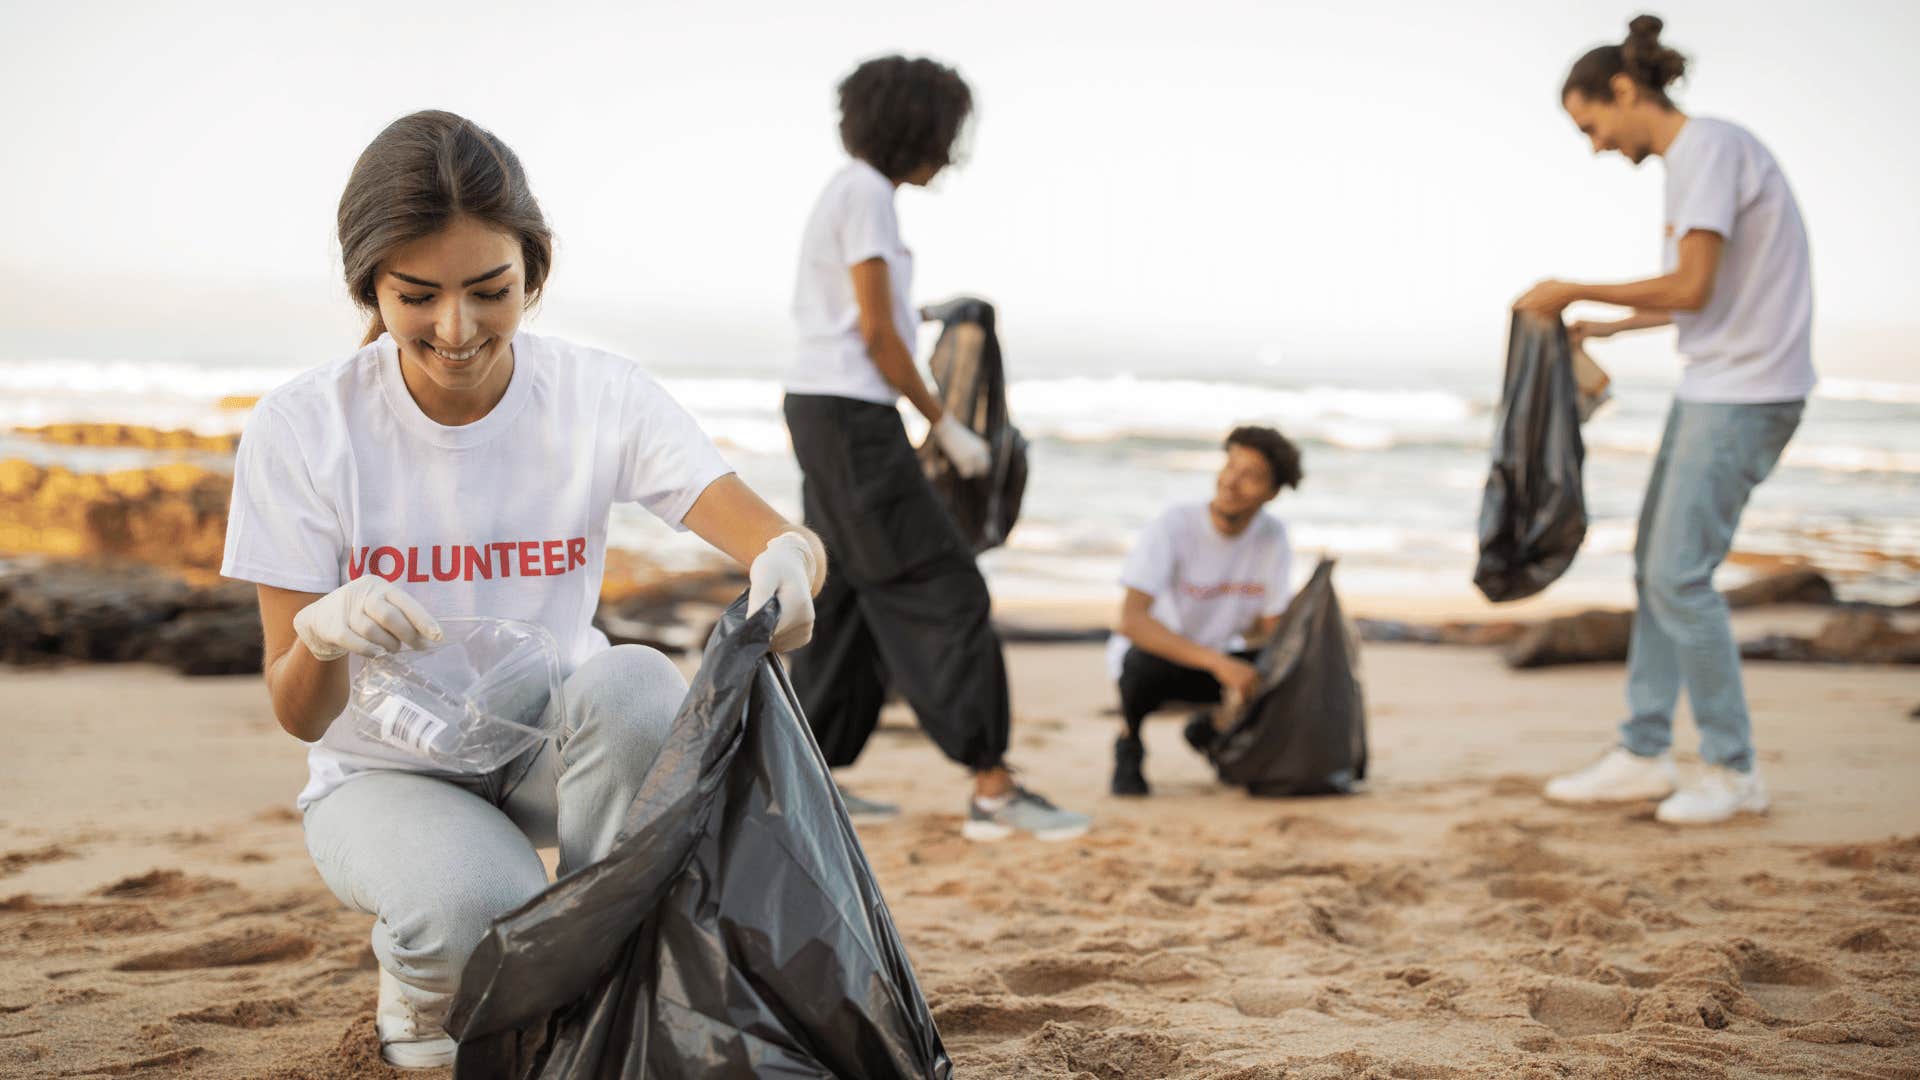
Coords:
pixel 1148 682
pixel 904 604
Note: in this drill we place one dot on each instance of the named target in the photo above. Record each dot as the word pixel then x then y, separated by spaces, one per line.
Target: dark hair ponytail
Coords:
pixel 1651 65
pixel 421 172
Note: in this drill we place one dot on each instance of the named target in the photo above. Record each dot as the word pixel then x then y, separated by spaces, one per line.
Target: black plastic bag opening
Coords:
pixel 735 929
pixel 1533 514
pixel 1304 731
pixel 972 385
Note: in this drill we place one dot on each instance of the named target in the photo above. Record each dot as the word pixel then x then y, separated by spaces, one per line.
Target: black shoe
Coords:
pixel 1128 756
pixel 1200 732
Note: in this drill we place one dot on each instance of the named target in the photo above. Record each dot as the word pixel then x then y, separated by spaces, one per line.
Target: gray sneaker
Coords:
pixel 866 810
pixel 1024 811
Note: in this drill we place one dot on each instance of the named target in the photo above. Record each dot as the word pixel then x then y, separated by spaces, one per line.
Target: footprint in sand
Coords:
pixel 1043 976
pixel 1788 987
pixel 161 885
pixel 249 1014
pixel 117 921
pixel 1119 1053
pixel 1047 975
pixel 158 1061
pixel 1580 1008
pixel 12 862
pixel 1269 1000
pixel 1004 1017
pixel 252 947
pixel 1871 938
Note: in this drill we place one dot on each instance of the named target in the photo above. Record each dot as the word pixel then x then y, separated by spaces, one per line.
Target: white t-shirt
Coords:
pixel 853 222
pixel 1208 588
pixel 1753 342
pixel 340 474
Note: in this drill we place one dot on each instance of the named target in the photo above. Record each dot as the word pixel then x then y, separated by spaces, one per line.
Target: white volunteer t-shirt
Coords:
pixel 1753 342
pixel 1208 588
pixel 340 474
pixel 854 221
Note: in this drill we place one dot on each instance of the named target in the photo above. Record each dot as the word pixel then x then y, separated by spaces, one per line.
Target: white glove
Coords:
pixel 784 570
pixel 368 616
pixel 969 453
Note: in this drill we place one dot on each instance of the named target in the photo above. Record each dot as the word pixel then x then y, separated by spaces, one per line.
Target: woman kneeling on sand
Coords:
pixel 454 429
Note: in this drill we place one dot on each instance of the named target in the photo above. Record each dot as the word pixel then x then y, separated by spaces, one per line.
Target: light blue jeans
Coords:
pixel 435 860
pixel 1711 458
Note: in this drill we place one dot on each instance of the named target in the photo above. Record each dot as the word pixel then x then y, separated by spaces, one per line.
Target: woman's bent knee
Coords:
pixel 627 698
pixel 627 672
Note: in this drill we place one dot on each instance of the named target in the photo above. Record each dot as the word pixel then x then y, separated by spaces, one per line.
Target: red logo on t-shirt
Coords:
pixel 1225 588
pixel 464 562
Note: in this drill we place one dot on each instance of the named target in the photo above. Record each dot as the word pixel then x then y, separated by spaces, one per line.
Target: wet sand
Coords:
pixel 159 915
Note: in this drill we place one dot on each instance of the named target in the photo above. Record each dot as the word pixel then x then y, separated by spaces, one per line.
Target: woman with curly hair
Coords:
pixel 906 606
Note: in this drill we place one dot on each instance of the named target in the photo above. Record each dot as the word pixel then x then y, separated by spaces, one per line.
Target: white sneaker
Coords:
pixel 1621 776
pixel 406 1040
pixel 1715 797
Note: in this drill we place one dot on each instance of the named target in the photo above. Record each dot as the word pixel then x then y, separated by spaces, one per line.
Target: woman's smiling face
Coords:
pixel 452 301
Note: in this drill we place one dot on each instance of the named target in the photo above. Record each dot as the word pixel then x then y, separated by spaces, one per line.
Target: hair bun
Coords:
pixel 1650 63
pixel 1645 29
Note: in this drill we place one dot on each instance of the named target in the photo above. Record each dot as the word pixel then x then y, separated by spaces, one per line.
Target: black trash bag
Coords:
pixel 1533 515
pixel 972 384
pixel 734 930
pixel 1304 731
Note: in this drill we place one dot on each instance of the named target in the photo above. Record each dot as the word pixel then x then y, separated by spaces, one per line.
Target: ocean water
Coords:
pixel 1394 459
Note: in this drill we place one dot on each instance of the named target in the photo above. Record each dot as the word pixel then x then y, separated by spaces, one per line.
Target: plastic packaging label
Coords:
pixel 469 704
pixel 405 726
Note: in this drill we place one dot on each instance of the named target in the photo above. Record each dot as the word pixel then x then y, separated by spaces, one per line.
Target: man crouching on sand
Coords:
pixel 1200 580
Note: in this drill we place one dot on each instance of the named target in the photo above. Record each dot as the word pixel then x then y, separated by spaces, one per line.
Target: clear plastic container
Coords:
pixel 469 704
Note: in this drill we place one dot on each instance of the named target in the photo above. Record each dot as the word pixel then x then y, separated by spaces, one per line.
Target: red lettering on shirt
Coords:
pixel 1225 588
pixel 462 562
pixel 505 551
pixel 373 563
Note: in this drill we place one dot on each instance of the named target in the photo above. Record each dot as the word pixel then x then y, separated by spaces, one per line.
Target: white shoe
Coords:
pixel 406 1040
pixel 1716 797
pixel 1621 776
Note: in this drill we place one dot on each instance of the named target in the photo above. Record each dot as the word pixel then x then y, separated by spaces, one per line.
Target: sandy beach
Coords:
pixel 159 915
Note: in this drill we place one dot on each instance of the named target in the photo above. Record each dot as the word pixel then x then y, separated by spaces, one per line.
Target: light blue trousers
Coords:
pixel 1711 458
pixel 436 860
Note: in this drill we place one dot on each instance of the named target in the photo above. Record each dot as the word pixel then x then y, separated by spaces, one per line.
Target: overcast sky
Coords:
pixel 1241 181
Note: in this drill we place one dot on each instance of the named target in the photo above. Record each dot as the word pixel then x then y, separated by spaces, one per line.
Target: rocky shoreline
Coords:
pixel 123 566
pixel 1855 633
pixel 54 610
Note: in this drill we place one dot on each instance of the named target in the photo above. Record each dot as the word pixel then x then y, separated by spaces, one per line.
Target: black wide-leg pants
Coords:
pixel 904 603
pixel 1147 682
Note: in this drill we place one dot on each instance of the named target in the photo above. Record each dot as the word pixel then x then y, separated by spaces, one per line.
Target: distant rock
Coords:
pixel 1448 633
pixel 53 610
pixel 140 437
pixel 1799 586
pixel 1589 637
pixel 215 642
pixel 1849 637
pixel 169 515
